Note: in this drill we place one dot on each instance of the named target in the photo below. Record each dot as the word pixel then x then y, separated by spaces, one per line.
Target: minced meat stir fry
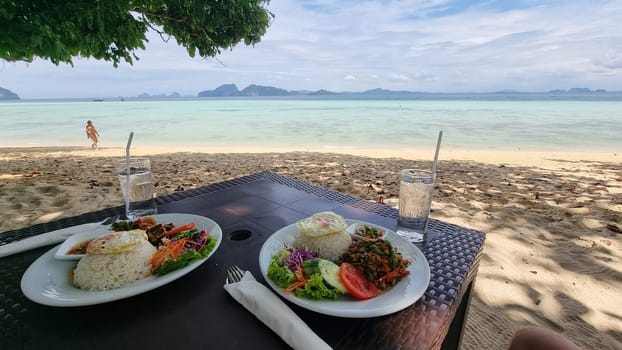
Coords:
pixel 378 259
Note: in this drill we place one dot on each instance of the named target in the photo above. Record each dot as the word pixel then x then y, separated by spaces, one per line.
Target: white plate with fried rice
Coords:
pixel 405 293
pixel 47 280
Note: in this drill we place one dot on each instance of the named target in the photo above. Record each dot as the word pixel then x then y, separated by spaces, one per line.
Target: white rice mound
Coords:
pixel 329 247
pixel 323 233
pixel 110 271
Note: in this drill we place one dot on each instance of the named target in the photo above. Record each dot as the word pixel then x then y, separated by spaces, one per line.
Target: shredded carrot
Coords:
pixel 179 247
pixel 170 250
pixel 385 266
pixel 295 285
pixel 179 229
pixel 300 273
pixel 302 280
pixel 159 257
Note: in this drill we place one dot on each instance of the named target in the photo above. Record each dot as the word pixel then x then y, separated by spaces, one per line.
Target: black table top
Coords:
pixel 195 311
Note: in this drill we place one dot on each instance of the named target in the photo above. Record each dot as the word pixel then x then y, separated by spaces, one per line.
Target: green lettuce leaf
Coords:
pixel 281 275
pixel 316 289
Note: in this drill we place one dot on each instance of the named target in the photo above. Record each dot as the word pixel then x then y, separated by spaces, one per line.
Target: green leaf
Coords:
pixel 113 31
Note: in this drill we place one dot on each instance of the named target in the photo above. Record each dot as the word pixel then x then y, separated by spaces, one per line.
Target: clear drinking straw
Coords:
pixel 438 146
pixel 127 175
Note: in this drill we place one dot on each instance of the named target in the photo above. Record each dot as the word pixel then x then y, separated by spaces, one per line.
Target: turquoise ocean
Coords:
pixel 570 125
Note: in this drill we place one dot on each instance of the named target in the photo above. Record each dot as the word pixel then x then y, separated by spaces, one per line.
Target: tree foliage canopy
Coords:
pixel 112 30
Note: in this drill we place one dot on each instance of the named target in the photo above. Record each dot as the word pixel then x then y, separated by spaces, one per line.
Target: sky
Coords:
pixel 357 45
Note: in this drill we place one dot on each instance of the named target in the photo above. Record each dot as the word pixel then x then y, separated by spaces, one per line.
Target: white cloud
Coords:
pixel 359 45
pixel 398 77
pixel 611 61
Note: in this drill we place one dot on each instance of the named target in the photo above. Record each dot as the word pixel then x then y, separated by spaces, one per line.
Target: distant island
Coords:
pixel 231 90
pixel 578 91
pixel 253 90
pixel 6 95
pixel 173 95
pixel 260 91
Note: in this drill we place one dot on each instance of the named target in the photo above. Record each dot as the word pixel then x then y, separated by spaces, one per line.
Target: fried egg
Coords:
pixel 321 224
pixel 116 242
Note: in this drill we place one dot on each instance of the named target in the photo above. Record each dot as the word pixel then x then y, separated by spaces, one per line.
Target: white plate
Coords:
pixel 46 281
pixel 400 296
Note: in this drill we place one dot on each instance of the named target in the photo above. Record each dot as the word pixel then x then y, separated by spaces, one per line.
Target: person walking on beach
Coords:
pixel 91 133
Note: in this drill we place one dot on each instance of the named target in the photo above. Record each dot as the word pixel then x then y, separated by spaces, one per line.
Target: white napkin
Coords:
pixel 272 311
pixel 43 239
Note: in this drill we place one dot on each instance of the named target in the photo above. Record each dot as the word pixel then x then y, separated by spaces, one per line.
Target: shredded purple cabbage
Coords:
pixel 200 240
pixel 296 257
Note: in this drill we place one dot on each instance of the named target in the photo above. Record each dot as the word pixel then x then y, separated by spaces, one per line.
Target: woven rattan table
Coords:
pixel 195 311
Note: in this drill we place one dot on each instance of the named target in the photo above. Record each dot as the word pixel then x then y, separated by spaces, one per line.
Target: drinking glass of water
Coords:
pixel 416 190
pixel 138 195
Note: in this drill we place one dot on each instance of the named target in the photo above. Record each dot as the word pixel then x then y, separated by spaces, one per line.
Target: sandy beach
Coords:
pixel 553 220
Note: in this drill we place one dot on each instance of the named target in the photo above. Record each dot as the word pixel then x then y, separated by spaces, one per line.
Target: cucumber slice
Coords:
pixel 330 273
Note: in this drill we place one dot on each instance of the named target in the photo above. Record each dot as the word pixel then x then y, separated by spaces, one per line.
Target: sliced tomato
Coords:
pixel 356 283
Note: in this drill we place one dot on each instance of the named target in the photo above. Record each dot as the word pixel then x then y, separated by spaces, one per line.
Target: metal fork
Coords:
pixel 234 274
